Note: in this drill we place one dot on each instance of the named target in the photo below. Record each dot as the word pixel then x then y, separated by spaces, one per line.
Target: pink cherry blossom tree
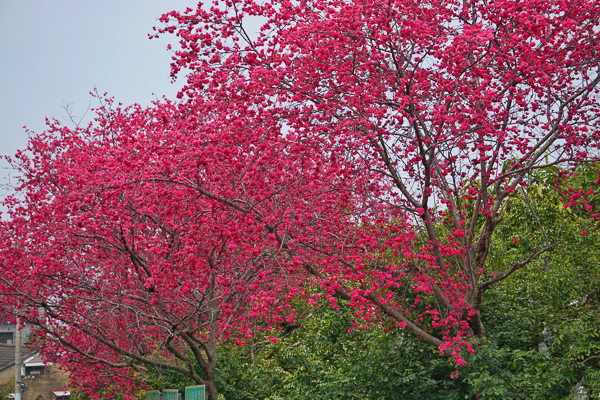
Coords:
pixel 150 236
pixel 442 109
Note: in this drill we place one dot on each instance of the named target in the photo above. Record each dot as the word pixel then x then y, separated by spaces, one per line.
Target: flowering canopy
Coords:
pixel 442 108
pixel 152 234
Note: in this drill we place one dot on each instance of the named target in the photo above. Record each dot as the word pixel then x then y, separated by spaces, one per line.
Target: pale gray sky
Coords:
pixel 55 51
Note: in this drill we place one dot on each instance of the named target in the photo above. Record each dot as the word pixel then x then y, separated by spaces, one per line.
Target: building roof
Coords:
pixel 7 355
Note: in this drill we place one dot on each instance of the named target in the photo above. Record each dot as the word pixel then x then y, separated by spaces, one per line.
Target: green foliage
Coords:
pixel 77 394
pixel 6 389
pixel 554 303
pixel 158 379
pixel 323 360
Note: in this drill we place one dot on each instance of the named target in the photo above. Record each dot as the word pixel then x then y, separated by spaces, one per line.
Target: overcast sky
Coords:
pixel 56 52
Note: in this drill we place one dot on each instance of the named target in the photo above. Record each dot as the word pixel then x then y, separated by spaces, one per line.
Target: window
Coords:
pixel 6 337
pixel 34 370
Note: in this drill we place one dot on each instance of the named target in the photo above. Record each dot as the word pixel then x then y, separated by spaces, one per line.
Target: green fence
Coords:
pixel 195 392
pixel 153 395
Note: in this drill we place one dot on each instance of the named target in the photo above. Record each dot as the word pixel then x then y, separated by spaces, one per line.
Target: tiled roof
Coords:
pixel 7 355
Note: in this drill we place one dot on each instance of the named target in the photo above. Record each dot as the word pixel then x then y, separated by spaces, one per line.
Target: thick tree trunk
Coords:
pixel 477 325
pixel 211 389
pixel 211 354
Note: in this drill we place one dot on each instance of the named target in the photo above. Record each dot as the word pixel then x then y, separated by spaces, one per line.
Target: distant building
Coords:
pixel 7 332
pixel 45 381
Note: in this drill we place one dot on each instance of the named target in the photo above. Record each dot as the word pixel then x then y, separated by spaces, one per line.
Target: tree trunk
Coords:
pixel 211 389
